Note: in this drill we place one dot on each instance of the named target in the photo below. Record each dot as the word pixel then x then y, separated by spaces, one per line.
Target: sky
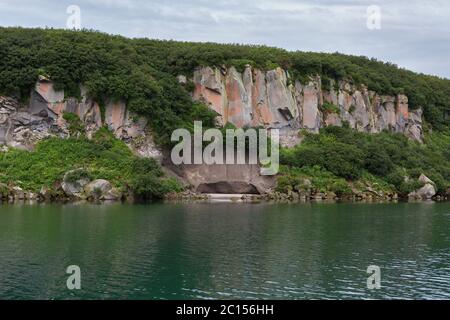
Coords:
pixel 414 34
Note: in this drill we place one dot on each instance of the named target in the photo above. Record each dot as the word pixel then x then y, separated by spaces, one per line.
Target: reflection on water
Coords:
pixel 225 251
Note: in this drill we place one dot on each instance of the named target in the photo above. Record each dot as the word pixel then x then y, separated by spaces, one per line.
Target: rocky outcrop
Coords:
pixel 22 127
pixel 133 130
pixel 272 99
pixel 427 192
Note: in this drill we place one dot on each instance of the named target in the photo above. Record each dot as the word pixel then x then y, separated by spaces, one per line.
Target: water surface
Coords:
pixel 225 251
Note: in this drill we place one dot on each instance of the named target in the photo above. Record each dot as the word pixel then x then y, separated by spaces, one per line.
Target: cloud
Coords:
pixel 414 34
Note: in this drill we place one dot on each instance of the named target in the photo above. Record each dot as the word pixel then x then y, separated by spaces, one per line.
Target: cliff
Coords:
pixel 250 99
pixel 272 100
pixel 350 123
pixel 22 126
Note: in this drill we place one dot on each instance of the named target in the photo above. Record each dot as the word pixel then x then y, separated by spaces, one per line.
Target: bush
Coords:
pixel 330 108
pixel 148 184
pixel 311 179
pixel 75 126
pixel 390 158
pixel 377 161
pixel 103 157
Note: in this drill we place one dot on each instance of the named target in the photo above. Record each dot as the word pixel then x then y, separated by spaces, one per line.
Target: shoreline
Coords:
pixel 223 199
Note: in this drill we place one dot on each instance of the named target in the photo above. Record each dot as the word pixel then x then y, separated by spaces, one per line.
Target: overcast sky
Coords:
pixel 414 33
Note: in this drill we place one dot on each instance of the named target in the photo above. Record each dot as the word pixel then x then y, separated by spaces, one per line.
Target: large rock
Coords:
pixel 74 182
pixel 427 192
pixel 102 190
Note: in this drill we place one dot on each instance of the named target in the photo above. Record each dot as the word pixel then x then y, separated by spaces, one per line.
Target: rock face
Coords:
pixel 251 98
pixel 427 192
pixel 22 127
pixel 230 179
pixel 22 130
pixel 271 99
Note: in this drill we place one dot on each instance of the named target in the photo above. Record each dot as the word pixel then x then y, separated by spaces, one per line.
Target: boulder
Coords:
pixel 74 182
pixel 112 195
pixel 18 193
pixel 102 190
pixel 427 192
pixel 45 193
pixel 97 188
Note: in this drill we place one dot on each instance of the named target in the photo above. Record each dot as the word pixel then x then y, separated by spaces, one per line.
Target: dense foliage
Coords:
pixel 110 67
pixel 345 154
pixel 103 157
pixel 143 72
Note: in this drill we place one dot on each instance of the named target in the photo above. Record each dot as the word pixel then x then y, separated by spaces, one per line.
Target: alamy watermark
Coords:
pixel 373 18
pixel 74 20
pixel 74 280
pixel 250 146
pixel 374 280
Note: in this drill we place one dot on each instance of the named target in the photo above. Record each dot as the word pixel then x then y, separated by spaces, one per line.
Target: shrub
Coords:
pixel 75 126
pixel 389 157
pixel 377 161
pixel 330 108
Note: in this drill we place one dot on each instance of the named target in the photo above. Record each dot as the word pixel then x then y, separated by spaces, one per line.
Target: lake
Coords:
pixel 225 251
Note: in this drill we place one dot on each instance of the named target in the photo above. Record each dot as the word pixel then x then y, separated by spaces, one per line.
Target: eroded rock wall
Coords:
pixel 273 100
pixel 23 126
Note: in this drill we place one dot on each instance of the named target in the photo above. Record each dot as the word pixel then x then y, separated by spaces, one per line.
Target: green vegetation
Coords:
pixel 390 160
pixel 103 157
pixel 143 72
pixel 312 179
pixel 75 126
pixel 330 108
pixel 109 66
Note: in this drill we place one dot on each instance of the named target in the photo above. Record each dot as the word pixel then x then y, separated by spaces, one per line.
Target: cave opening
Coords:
pixel 227 187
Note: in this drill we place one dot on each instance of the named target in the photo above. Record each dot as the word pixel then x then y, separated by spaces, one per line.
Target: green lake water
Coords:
pixel 225 251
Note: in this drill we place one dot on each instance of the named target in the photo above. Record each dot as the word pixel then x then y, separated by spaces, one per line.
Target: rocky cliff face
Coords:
pixel 252 98
pixel 271 99
pixel 23 126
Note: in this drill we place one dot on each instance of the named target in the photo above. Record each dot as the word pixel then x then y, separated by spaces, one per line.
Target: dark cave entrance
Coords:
pixel 225 187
